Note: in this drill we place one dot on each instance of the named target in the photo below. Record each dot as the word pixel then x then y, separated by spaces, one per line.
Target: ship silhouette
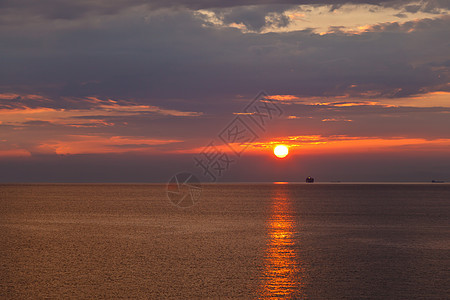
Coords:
pixel 309 179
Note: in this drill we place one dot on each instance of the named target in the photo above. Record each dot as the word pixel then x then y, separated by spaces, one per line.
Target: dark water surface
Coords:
pixel 319 241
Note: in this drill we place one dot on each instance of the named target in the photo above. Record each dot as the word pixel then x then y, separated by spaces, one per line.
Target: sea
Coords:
pixel 237 241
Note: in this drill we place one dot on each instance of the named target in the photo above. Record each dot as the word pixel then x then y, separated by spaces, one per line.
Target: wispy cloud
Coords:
pixel 22 112
pixel 91 144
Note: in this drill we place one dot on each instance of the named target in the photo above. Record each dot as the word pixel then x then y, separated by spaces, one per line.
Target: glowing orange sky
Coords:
pixel 82 143
pixel 161 82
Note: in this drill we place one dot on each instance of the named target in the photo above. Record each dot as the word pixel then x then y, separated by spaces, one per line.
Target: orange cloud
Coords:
pixel 337 120
pixel 84 144
pixel 9 96
pixel 14 153
pixel 343 144
pixel 71 117
pixel 296 16
pixel 349 103
pixel 431 99
pixel 283 97
pixel 12 96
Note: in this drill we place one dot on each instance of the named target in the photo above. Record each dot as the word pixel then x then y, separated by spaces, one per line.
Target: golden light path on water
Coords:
pixel 282 267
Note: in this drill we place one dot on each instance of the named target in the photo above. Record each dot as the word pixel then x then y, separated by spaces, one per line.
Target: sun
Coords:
pixel 281 151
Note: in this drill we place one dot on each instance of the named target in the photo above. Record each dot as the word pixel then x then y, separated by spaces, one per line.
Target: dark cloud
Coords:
pixel 401 15
pixel 435 6
pixel 428 6
pixel 412 8
pixel 38 123
pixel 409 26
pixel 133 57
pixel 255 17
pixel 20 11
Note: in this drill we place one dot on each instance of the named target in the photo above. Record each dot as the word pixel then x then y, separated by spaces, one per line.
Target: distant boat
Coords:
pixel 437 181
pixel 309 179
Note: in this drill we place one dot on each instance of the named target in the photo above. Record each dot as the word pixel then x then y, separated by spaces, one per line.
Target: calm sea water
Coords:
pixel 318 241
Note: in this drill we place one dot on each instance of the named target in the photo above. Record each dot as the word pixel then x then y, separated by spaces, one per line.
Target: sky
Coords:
pixel 137 91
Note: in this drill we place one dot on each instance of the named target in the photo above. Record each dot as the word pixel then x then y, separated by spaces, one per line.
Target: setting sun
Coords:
pixel 281 151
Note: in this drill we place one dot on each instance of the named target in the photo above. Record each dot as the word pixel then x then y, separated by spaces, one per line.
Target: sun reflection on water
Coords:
pixel 282 267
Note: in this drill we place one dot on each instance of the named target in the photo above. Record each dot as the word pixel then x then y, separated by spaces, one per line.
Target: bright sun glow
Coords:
pixel 281 151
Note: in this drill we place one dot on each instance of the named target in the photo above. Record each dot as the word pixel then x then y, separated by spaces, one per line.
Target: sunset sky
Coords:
pixel 132 91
